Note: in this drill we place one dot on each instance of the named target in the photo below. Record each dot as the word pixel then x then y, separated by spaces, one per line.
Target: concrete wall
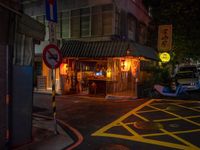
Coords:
pixel 135 8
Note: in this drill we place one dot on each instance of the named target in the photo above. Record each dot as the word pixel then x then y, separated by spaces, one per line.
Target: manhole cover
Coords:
pixel 147 125
pixel 114 147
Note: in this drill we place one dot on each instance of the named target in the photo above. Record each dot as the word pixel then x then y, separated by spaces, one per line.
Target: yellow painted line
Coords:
pixel 196 107
pixel 176 132
pixel 178 116
pixel 141 117
pixel 187 107
pixel 171 119
pixel 149 141
pixel 177 101
pixel 146 111
pixel 116 122
pixel 130 130
pixel 139 138
pixel 187 131
pixel 172 135
pixel 193 147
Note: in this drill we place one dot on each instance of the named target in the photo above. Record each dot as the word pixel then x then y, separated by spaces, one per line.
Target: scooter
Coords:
pixel 166 91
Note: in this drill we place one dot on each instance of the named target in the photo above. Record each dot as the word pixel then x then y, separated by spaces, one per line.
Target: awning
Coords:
pixel 30 27
pixel 99 49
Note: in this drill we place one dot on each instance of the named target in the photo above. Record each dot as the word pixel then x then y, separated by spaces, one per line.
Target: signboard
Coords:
pixel 52 56
pixel 51 10
pixel 165 57
pixel 164 38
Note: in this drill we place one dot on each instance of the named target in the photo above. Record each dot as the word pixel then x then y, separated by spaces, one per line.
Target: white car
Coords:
pixel 188 80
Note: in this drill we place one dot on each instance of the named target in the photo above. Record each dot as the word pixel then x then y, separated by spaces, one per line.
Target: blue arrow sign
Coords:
pixel 51 10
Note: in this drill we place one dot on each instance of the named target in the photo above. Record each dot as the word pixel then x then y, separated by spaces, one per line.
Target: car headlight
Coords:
pixel 192 83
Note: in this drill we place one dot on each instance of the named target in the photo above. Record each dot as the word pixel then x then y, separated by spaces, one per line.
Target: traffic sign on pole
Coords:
pixel 52 33
pixel 51 10
pixel 52 56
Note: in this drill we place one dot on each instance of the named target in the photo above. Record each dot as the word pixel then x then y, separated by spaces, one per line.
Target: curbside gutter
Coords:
pixel 73 130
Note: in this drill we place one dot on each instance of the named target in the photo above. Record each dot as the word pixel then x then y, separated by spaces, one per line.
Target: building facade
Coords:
pixel 100 33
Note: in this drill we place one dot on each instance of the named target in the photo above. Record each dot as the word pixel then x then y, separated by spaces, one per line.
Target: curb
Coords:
pixel 73 130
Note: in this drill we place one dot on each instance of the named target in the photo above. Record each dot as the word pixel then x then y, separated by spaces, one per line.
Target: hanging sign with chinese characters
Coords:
pixel 164 38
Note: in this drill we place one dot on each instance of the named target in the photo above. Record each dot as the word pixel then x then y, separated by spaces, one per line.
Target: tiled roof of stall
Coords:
pixel 97 49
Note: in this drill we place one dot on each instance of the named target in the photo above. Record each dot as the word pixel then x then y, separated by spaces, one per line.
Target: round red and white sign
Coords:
pixel 52 56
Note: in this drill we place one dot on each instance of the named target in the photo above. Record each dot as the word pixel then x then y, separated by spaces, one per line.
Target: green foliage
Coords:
pixel 185 18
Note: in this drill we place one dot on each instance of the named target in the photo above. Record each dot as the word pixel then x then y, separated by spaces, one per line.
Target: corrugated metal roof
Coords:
pixel 97 49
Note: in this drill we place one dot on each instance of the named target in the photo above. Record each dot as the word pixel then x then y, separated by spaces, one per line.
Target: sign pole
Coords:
pixel 53 100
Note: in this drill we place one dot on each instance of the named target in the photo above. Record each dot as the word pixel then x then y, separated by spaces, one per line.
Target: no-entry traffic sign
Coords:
pixel 52 56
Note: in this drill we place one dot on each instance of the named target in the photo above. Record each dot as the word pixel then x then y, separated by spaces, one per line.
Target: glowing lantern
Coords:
pixel 64 68
pixel 108 73
pixel 165 57
pixel 125 64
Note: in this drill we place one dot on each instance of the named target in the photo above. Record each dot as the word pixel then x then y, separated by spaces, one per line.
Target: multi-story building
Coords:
pixel 102 42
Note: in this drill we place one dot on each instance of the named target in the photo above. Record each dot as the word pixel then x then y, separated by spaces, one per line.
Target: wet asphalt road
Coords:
pixel 89 114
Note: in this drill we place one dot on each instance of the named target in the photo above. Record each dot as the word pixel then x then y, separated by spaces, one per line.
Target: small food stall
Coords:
pixel 107 68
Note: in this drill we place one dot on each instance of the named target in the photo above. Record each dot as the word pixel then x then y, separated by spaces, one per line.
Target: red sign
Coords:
pixel 52 56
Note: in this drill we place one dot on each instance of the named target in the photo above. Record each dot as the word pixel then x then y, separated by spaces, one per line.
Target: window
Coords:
pixel 131 28
pixel 65 25
pixel 142 34
pixel 23 54
pixel 102 17
pixel 75 23
pixel 96 21
pixel 107 16
pixel 117 23
pixel 85 22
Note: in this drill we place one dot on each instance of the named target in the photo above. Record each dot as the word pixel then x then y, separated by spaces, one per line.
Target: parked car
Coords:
pixel 188 80
pixel 192 68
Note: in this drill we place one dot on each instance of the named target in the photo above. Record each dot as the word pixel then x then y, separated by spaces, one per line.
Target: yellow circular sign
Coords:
pixel 165 57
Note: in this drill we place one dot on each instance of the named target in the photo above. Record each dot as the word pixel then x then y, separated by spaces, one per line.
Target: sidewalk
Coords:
pixel 44 137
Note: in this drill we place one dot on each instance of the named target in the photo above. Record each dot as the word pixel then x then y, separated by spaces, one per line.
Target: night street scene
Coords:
pixel 99 75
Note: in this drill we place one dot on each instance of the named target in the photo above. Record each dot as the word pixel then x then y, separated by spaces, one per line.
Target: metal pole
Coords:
pixel 53 100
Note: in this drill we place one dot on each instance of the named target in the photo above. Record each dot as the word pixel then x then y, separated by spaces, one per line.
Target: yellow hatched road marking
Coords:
pixel 141 117
pixel 176 132
pixel 116 122
pixel 144 140
pixel 180 139
pixel 171 119
pixel 140 138
pixel 178 116
pixel 175 101
pixel 171 134
pixel 145 111
pixel 187 107
pixel 130 130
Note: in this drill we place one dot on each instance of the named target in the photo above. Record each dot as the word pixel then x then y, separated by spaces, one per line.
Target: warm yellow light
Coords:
pixel 165 57
pixel 125 65
pixel 64 68
pixel 108 73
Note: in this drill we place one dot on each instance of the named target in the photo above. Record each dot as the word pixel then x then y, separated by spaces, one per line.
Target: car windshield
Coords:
pixel 194 69
pixel 185 75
